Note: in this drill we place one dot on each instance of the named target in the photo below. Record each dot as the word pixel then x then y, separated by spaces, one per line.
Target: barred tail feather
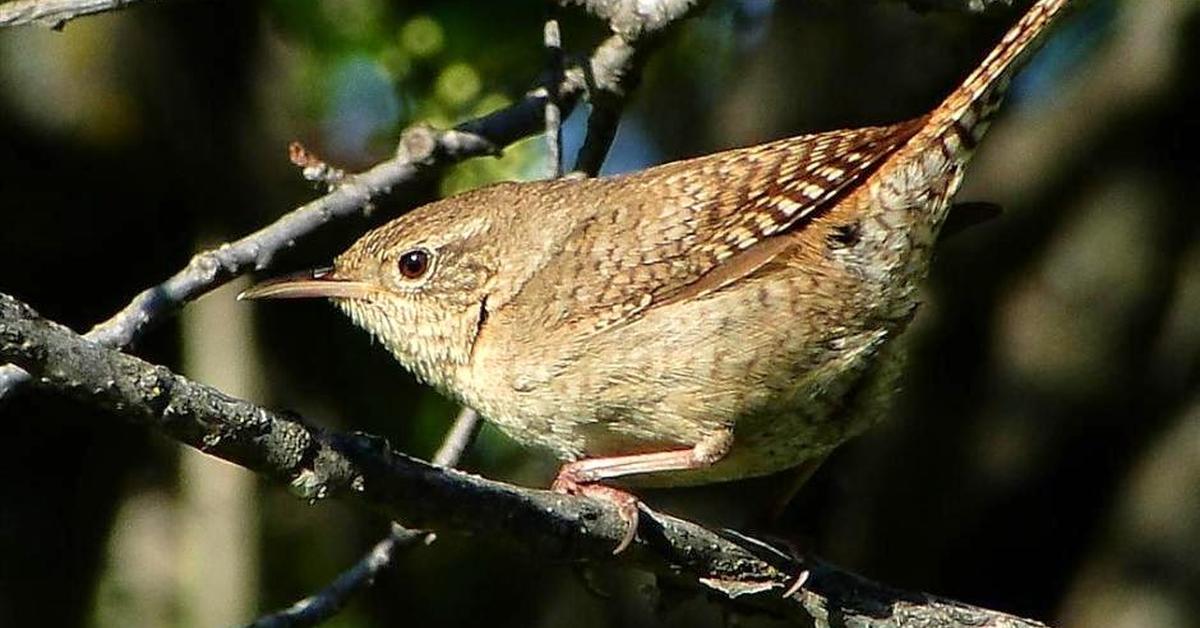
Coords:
pixel 962 118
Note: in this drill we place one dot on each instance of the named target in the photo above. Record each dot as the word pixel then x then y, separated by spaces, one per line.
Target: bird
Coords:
pixel 723 317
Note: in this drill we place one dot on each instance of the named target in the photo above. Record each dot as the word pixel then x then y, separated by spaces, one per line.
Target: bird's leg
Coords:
pixel 582 477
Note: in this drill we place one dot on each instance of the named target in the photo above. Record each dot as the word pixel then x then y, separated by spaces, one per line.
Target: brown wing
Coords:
pixel 654 234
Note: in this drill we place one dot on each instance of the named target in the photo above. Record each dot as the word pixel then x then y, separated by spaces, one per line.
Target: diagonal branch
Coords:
pixel 609 92
pixel 54 13
pixel 326 603
pixel 616 68
pixel 611 71
pixel 421 151
pixel 462 433
pixel 318 464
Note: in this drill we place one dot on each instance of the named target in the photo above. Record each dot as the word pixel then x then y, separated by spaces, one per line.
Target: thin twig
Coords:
pixel 56 13
pixel 616 66
pixel 460 436
pixel 421 150
pixel 601 128
pixel 313 168
pixel 317 464
pixel 552 39
pixel 607 100
pixel 608 93
pixel 326 603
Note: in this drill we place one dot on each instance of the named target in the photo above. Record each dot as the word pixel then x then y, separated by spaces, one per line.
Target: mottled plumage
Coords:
pixel 704 320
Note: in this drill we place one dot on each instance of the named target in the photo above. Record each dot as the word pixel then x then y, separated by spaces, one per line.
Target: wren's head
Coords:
pixel 420 284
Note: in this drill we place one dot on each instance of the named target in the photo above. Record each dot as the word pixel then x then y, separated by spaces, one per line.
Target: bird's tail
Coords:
pixel 963 117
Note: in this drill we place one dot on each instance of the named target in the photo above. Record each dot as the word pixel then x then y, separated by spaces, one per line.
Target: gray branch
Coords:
pixel 975 6
pixel 609 92
pixel 421 150
pixel 628 17
pixel 552 41
pixel 326 603
pixel 611 72
pixel 462 433
pixel 634 19
pixel 54 13
pixel 319 464
pixel 616 68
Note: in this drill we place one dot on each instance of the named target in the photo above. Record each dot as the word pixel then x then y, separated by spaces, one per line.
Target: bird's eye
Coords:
pixel 414 264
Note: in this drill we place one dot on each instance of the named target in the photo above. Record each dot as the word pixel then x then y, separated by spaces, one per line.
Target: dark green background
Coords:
pixel 1044 458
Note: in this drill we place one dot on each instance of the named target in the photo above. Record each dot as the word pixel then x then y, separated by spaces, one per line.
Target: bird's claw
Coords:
pixel 626 504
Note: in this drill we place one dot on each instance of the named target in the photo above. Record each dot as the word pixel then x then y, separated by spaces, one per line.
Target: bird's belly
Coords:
pixel 786 436
pixel 788 393
pixel 799 422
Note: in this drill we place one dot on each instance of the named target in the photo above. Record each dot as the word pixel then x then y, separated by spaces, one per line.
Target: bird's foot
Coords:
pixel 568 483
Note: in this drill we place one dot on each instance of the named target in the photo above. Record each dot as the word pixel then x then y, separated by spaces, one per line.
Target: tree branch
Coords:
pixel 460 436
pixel 326 603
pixel 608 95
pixel 633 18
pixel 318 464
pixel 616 68
pixel 612 71
pixel 974 6
pixel 54 13
pixel 628 15
pixel 421 150
pixel 552 41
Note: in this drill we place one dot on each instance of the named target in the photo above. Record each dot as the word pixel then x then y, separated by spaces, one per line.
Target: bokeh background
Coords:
pixel 1044 458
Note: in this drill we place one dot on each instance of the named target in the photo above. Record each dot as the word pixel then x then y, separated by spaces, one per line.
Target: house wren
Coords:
pixel 704 320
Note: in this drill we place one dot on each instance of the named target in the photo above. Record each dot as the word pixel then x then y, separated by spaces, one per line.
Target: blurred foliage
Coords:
pixel 1041 459
pixel 368 69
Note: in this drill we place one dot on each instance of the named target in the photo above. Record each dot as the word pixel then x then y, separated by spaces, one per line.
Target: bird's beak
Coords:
pixel 322 282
